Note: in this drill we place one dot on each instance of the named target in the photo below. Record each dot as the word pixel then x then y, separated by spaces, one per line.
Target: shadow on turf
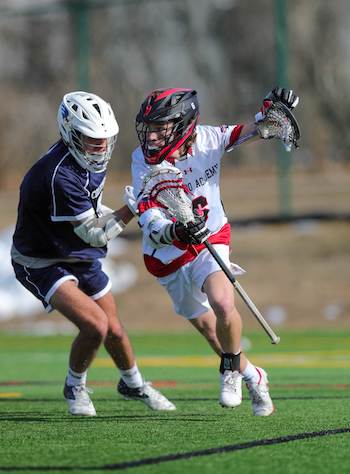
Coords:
pixel 63 418
pixel 40 417
pixel 181 456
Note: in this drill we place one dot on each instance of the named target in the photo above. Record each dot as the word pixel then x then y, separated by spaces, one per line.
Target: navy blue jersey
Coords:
pixel 55 192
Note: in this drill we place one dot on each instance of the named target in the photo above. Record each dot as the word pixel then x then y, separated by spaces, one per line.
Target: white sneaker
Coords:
pixel 78 400
pixel 146 394
pixel 231 389
pixel 259 394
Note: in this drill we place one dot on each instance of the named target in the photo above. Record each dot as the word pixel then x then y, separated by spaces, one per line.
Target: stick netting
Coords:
pixel 280 123
pixel 166 187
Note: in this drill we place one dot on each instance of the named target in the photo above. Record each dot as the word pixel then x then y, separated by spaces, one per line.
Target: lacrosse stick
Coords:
pixel 165 186
pixel 279 122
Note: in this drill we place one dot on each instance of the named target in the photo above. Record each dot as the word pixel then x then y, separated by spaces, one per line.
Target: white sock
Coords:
pixel 76 378
pixel 132 377
pixel 250 374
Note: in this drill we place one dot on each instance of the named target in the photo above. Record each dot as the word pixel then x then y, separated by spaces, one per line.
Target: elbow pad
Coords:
pixel 98 231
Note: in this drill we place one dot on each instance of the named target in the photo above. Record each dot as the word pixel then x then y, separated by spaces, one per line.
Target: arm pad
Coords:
pixel 130 200
pixel 156 227
pixel 97 231
pixel 195 232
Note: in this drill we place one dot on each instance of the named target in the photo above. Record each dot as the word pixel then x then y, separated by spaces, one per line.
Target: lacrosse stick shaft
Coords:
pixel 254 310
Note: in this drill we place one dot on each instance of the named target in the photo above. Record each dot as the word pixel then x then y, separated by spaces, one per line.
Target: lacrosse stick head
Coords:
pixel 164 185
pixel 280 123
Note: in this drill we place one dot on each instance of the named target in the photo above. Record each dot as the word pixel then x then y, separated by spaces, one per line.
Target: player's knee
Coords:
pixel 97 328
pixel 223 306
pixel 115 332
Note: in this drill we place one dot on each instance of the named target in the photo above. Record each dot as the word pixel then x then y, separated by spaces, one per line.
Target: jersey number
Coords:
pixel 199 206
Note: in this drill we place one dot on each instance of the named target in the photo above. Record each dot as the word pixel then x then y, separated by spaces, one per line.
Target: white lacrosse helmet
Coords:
pixel 80 115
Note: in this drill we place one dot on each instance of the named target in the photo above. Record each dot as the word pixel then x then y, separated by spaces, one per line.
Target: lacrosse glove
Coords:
pixel 195 232
pixel 286 96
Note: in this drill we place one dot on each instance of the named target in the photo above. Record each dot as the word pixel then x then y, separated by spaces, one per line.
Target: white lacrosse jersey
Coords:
pixel 201 174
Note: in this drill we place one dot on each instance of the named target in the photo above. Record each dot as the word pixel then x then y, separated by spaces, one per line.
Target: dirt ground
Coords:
pixel 297 274
pixel 300 272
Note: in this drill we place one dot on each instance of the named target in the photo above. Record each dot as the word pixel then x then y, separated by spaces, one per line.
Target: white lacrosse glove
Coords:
pixel 130 200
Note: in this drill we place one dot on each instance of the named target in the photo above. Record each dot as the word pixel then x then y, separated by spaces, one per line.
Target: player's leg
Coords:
pixel 89 318
pixel 131 385
pixel 206 326
pixel 228 332
pixel 92 323
pixel 117 342
pixel 185 289
pixel 56 287
pixel 228 320
pixel 234 363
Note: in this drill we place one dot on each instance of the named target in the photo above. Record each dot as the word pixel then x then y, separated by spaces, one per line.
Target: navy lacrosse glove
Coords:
pixel 286 96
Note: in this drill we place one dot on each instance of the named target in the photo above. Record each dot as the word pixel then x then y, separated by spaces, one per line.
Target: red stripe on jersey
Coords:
pixel 235 134
pixel 160 269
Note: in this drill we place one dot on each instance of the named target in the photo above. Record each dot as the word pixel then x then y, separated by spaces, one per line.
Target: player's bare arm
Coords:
pixel 124 214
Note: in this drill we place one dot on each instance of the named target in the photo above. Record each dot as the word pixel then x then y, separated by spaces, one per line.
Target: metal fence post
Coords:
pixel 283 158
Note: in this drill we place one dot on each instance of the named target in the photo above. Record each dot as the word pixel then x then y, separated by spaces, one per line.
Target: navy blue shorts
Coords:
pixel 43 282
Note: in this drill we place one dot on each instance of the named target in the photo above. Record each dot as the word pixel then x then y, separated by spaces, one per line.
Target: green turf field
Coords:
pixel 308 433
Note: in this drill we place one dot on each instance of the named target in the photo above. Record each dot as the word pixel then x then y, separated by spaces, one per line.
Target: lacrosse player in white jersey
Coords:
pixel 169 133
pixel 62 233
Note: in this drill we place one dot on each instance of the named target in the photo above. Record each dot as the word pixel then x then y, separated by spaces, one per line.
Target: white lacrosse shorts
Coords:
pixel 185 285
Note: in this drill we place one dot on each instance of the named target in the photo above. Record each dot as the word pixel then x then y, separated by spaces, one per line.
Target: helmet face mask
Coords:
pixel 88 128
pixel 165 122
pixel 156 139
pixel 95 152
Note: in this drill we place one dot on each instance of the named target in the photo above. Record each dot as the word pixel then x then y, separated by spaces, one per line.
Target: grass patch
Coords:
pixel 304 434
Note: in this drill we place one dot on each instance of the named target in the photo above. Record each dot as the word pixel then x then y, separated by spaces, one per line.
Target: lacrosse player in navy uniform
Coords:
pixel 168 131
pixel 62 233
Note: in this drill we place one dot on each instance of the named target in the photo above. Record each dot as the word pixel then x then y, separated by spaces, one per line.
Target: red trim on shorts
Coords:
pixel 160 269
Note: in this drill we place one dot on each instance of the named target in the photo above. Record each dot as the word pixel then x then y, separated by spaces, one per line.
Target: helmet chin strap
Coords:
pixel 181 158
pixel 185 149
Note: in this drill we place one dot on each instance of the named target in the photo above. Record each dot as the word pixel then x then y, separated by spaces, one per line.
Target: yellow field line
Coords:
pixel 319 359
pixel 10 395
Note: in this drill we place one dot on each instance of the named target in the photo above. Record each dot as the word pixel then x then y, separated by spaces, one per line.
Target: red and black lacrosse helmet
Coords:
pixel 177 110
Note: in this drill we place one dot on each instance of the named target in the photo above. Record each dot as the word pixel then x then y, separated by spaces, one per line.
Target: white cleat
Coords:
pixel 259 394
pixel 146 394
pixel 78 400
pixel 231 389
